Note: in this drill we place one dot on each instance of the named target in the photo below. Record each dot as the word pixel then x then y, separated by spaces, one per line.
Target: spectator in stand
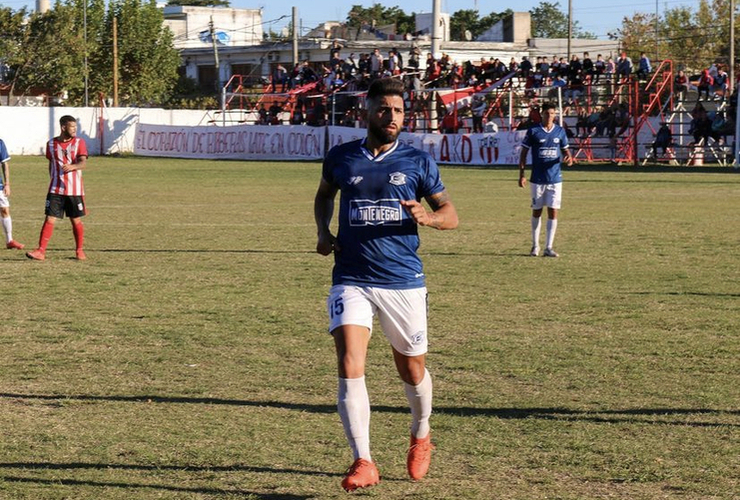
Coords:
pixel 701 126
pixel 663 140
pixel 525 68
pixel 720 83
pixel 544 71
pixel 588 68
pixel 644 67
pixel 680 84
pixel 363 65
pixel 575 67
pixel 705 84
pixel 478 108
pixel 376 63
pixel 280 77
pixel 599 68
pixel 297 117
pixel 393 65
pixel 624 67
pixel 262 115
pixel 610 69
pixel 513 65
pixel 349 66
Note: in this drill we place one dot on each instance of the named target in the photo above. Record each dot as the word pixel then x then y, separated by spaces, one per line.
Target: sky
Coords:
pixel 596 16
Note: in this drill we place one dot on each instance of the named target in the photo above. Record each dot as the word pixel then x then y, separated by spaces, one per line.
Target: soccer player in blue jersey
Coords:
pixel 547 142
pixel 377 270
pixel 4 201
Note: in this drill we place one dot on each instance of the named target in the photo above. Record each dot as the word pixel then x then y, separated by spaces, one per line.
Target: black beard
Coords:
pixel 380 135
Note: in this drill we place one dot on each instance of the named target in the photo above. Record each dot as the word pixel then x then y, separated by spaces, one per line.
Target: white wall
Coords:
pixel 26 130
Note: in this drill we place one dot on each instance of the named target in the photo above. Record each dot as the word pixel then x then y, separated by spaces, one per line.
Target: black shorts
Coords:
pixel 57 205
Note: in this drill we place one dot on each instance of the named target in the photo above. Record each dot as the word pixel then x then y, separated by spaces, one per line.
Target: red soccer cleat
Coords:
pixel 80 255
pixel 14 245
pixel 419 456
pixel 37 254
pixel 361 474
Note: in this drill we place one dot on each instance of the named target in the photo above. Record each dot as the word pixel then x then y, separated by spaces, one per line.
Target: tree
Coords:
pixel 377 15
pixel 548 21
pixel 469 20
pixel 147 60
pixel 201 3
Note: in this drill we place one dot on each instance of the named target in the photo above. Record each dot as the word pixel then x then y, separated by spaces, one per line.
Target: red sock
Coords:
pixel 46 231
pixel 79 231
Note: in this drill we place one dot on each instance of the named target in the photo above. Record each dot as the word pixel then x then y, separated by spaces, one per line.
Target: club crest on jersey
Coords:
pixel 397 179
pixel 355 180
pixel 385 212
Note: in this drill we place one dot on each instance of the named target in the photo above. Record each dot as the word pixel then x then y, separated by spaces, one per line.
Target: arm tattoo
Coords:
pixel 437 200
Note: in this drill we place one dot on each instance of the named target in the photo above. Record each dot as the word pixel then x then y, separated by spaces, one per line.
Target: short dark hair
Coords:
pixel 547 105
pixel 66 119
pixel 384 87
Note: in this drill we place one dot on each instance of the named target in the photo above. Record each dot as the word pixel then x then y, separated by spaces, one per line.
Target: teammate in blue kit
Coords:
pixel 547 142
pixel 377 270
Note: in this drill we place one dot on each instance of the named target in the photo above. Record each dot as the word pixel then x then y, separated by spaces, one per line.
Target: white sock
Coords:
pixel 354 410
pixel 8 228
pixel 420 401
pixel 552 226
pixel 536 231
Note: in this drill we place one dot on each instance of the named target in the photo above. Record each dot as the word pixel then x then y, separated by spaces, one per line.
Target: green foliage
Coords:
pixel 378 15
pixel 470 20
pixel 692 39
pixel 201 3
pixel 147 61
pixel 548 21
pixel 48 51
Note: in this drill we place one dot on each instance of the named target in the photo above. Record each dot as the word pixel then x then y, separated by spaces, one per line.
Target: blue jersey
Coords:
pixel 377 238
pixel 4 156
pixel 545 147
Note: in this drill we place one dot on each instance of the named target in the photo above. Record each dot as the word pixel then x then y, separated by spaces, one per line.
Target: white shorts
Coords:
pixel 546 195
pixel 402 314
pixel 4 202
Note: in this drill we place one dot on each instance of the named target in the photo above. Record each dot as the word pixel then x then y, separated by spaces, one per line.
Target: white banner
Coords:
pixel 239 142
pixel 500 148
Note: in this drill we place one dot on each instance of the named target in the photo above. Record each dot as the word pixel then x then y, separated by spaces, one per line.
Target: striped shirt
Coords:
pixel 65 153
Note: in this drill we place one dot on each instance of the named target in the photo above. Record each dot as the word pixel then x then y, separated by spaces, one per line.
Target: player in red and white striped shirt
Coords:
pixel 67 156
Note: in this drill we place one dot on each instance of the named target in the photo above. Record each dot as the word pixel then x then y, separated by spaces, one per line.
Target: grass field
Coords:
pixel 188 358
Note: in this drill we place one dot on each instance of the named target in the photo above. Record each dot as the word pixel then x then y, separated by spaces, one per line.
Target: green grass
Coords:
pixel 188 357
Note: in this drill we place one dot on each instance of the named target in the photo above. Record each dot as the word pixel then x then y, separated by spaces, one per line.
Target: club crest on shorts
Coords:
pixel 397 179
pixel 418 337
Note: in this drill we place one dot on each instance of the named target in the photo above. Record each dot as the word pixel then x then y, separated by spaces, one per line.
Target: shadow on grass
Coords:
pixel 596 416
pixel 179 489
pixel 177 468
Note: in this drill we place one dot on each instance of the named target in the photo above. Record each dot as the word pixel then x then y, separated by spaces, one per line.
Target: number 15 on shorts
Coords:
pixel 336 307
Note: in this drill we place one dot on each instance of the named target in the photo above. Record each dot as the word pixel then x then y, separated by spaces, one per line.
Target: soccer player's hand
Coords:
pixel 569 161
pixel 6 190
pixel 68 168
pixel 522 181
pixel 417 212
pixel 327 244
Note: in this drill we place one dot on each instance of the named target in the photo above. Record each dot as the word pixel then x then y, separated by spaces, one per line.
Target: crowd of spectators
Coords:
pixel 354 73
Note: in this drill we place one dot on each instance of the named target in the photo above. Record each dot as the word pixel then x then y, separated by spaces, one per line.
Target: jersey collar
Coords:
pixel 381 156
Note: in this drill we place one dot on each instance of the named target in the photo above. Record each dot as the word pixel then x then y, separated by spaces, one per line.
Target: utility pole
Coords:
pixel 436 29
pixel 657 40
pixel 295 38
pixel 84 27
pixel 115 62
pixel 570 25
pixel 215 55
pixel 731 72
